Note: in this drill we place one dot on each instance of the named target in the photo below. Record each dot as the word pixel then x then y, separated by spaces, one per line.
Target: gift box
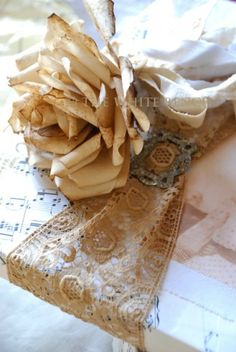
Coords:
pixel 195 308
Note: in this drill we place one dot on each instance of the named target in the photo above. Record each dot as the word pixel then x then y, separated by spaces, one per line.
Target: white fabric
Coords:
pixel 196 40
pixel 198 43
pixel 28 324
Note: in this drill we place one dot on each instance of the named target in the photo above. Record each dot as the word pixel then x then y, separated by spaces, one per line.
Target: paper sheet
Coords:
pixel 28 198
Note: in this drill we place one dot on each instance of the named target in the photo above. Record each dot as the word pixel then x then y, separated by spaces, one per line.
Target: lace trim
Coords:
pixel 103 259
pixel 103 263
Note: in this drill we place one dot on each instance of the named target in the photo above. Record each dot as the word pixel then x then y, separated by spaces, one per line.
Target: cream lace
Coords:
pixel 103 258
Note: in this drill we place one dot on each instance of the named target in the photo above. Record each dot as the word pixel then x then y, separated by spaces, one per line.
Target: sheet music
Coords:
pixel 28 198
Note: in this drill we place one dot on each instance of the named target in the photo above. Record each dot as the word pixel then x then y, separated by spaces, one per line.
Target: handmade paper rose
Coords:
pixel 82 110
pixel 77 108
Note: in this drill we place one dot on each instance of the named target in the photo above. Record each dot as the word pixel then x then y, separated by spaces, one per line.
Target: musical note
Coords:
pixel 145 33
pixel 33 225
pixel 210 342
pixel 8 229
pixel 15 203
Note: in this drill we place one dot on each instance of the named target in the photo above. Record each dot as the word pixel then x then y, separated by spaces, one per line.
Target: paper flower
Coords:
pixel 77 107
